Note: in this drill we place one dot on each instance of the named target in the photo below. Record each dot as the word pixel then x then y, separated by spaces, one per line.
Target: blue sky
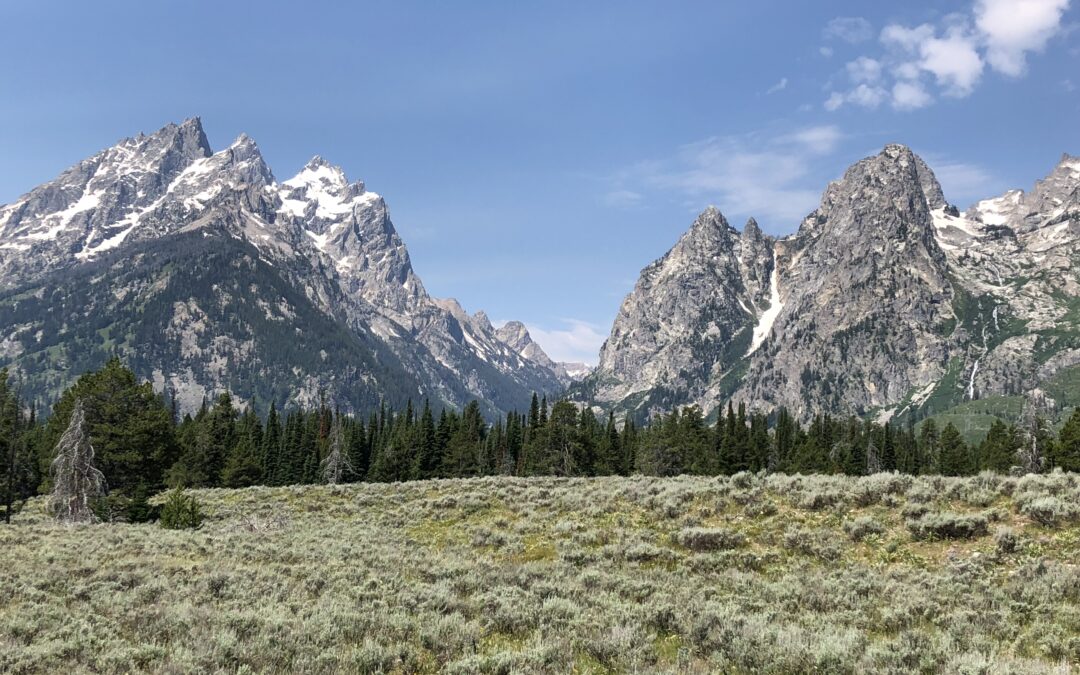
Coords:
pixel 536 156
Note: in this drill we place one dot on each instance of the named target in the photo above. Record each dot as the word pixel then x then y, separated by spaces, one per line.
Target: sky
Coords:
pixel 536 156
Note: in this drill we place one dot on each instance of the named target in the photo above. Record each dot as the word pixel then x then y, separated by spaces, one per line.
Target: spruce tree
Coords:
pixel 1066 455
pixel 955 459
pixel 997 452
pixel 129 425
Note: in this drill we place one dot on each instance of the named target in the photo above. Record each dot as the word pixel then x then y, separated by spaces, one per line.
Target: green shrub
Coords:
pixel 814 543
pixel 181 512
pixel 862 527
pixel 710 539
pixel 1006 540
pixel 948 526
pixel 139 509
pixel 1050 511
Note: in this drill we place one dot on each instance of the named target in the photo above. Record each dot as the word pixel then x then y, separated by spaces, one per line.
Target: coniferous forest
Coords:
pixel 143 445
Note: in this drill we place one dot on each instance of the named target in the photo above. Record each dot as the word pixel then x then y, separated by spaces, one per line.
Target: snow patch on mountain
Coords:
pixel 768 317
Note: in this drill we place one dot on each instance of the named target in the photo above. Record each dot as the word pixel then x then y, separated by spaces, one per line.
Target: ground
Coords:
pixel 782 574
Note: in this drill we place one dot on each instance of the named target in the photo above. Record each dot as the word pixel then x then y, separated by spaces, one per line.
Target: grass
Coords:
pixel 753 573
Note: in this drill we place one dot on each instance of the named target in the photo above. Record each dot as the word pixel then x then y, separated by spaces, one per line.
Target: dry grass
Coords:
pixel 779 574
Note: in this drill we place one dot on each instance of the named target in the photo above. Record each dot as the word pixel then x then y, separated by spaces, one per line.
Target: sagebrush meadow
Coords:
pixel 749 573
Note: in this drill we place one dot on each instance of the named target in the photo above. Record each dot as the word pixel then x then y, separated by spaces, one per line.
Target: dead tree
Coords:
pixel 336 463
pixel 76 481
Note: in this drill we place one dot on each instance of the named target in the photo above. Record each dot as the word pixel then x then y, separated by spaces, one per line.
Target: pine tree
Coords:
pixel 242 467
pixel 929 447
pixel 427 444
pixel 955 459
pixel 1066 455
pixel 17 480
pixel 997 452
pixel 129 426
pixel 270 450
pixel 534 412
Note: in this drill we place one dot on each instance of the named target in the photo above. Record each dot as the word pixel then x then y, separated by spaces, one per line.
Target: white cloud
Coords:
pixel 864 95
pixel 850 29
pixel 827 52
pixel 819 140
pixel 577 340
pixel 951 55
pixel 1014 27
pixel 910 96
pixel 907 39
pixel 953 60
pixel 751 175
pixel 906 71
pixel 779 86
pixel 864 69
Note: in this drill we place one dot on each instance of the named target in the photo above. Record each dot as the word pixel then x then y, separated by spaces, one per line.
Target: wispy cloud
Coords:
pixel 769 177
pixel 951 56
pixel 850 29
pixel 575 340
pixel 779 86
pixel 622 199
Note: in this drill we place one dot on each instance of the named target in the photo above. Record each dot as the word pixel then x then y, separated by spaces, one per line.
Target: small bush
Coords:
pixel 181 512
pixel 948 526
pixel 1050 511
pixel 862 527
pixel 813 543
pixel 816 500
pixel 1006 540
pixel 710 539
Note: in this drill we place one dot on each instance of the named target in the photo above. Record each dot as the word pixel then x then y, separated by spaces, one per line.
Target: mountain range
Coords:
pixel 206 274
pixel 887 303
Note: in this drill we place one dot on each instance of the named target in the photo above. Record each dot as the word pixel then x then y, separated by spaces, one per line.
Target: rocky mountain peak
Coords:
pixel 514 334
pixel 880 202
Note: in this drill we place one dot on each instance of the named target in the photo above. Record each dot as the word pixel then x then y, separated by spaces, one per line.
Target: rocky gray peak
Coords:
pixel 575 370
pixel 481 320
pixel 756 263
pixel 1054 200
pixel 97 204
pixel 864 270
pixel 673 331
pixel 935 198
pixel 884 302
pixel 879 207
pixel 515 335
pixel 352 227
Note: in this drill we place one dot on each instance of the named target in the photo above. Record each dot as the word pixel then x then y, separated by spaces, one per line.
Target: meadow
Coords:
pixel 749 573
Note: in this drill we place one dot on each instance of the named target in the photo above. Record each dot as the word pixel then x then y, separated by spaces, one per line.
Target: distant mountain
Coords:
pixel 208 275
pixel 886 303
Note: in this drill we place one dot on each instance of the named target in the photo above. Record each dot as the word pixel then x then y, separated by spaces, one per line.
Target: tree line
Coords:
pixel 141 445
